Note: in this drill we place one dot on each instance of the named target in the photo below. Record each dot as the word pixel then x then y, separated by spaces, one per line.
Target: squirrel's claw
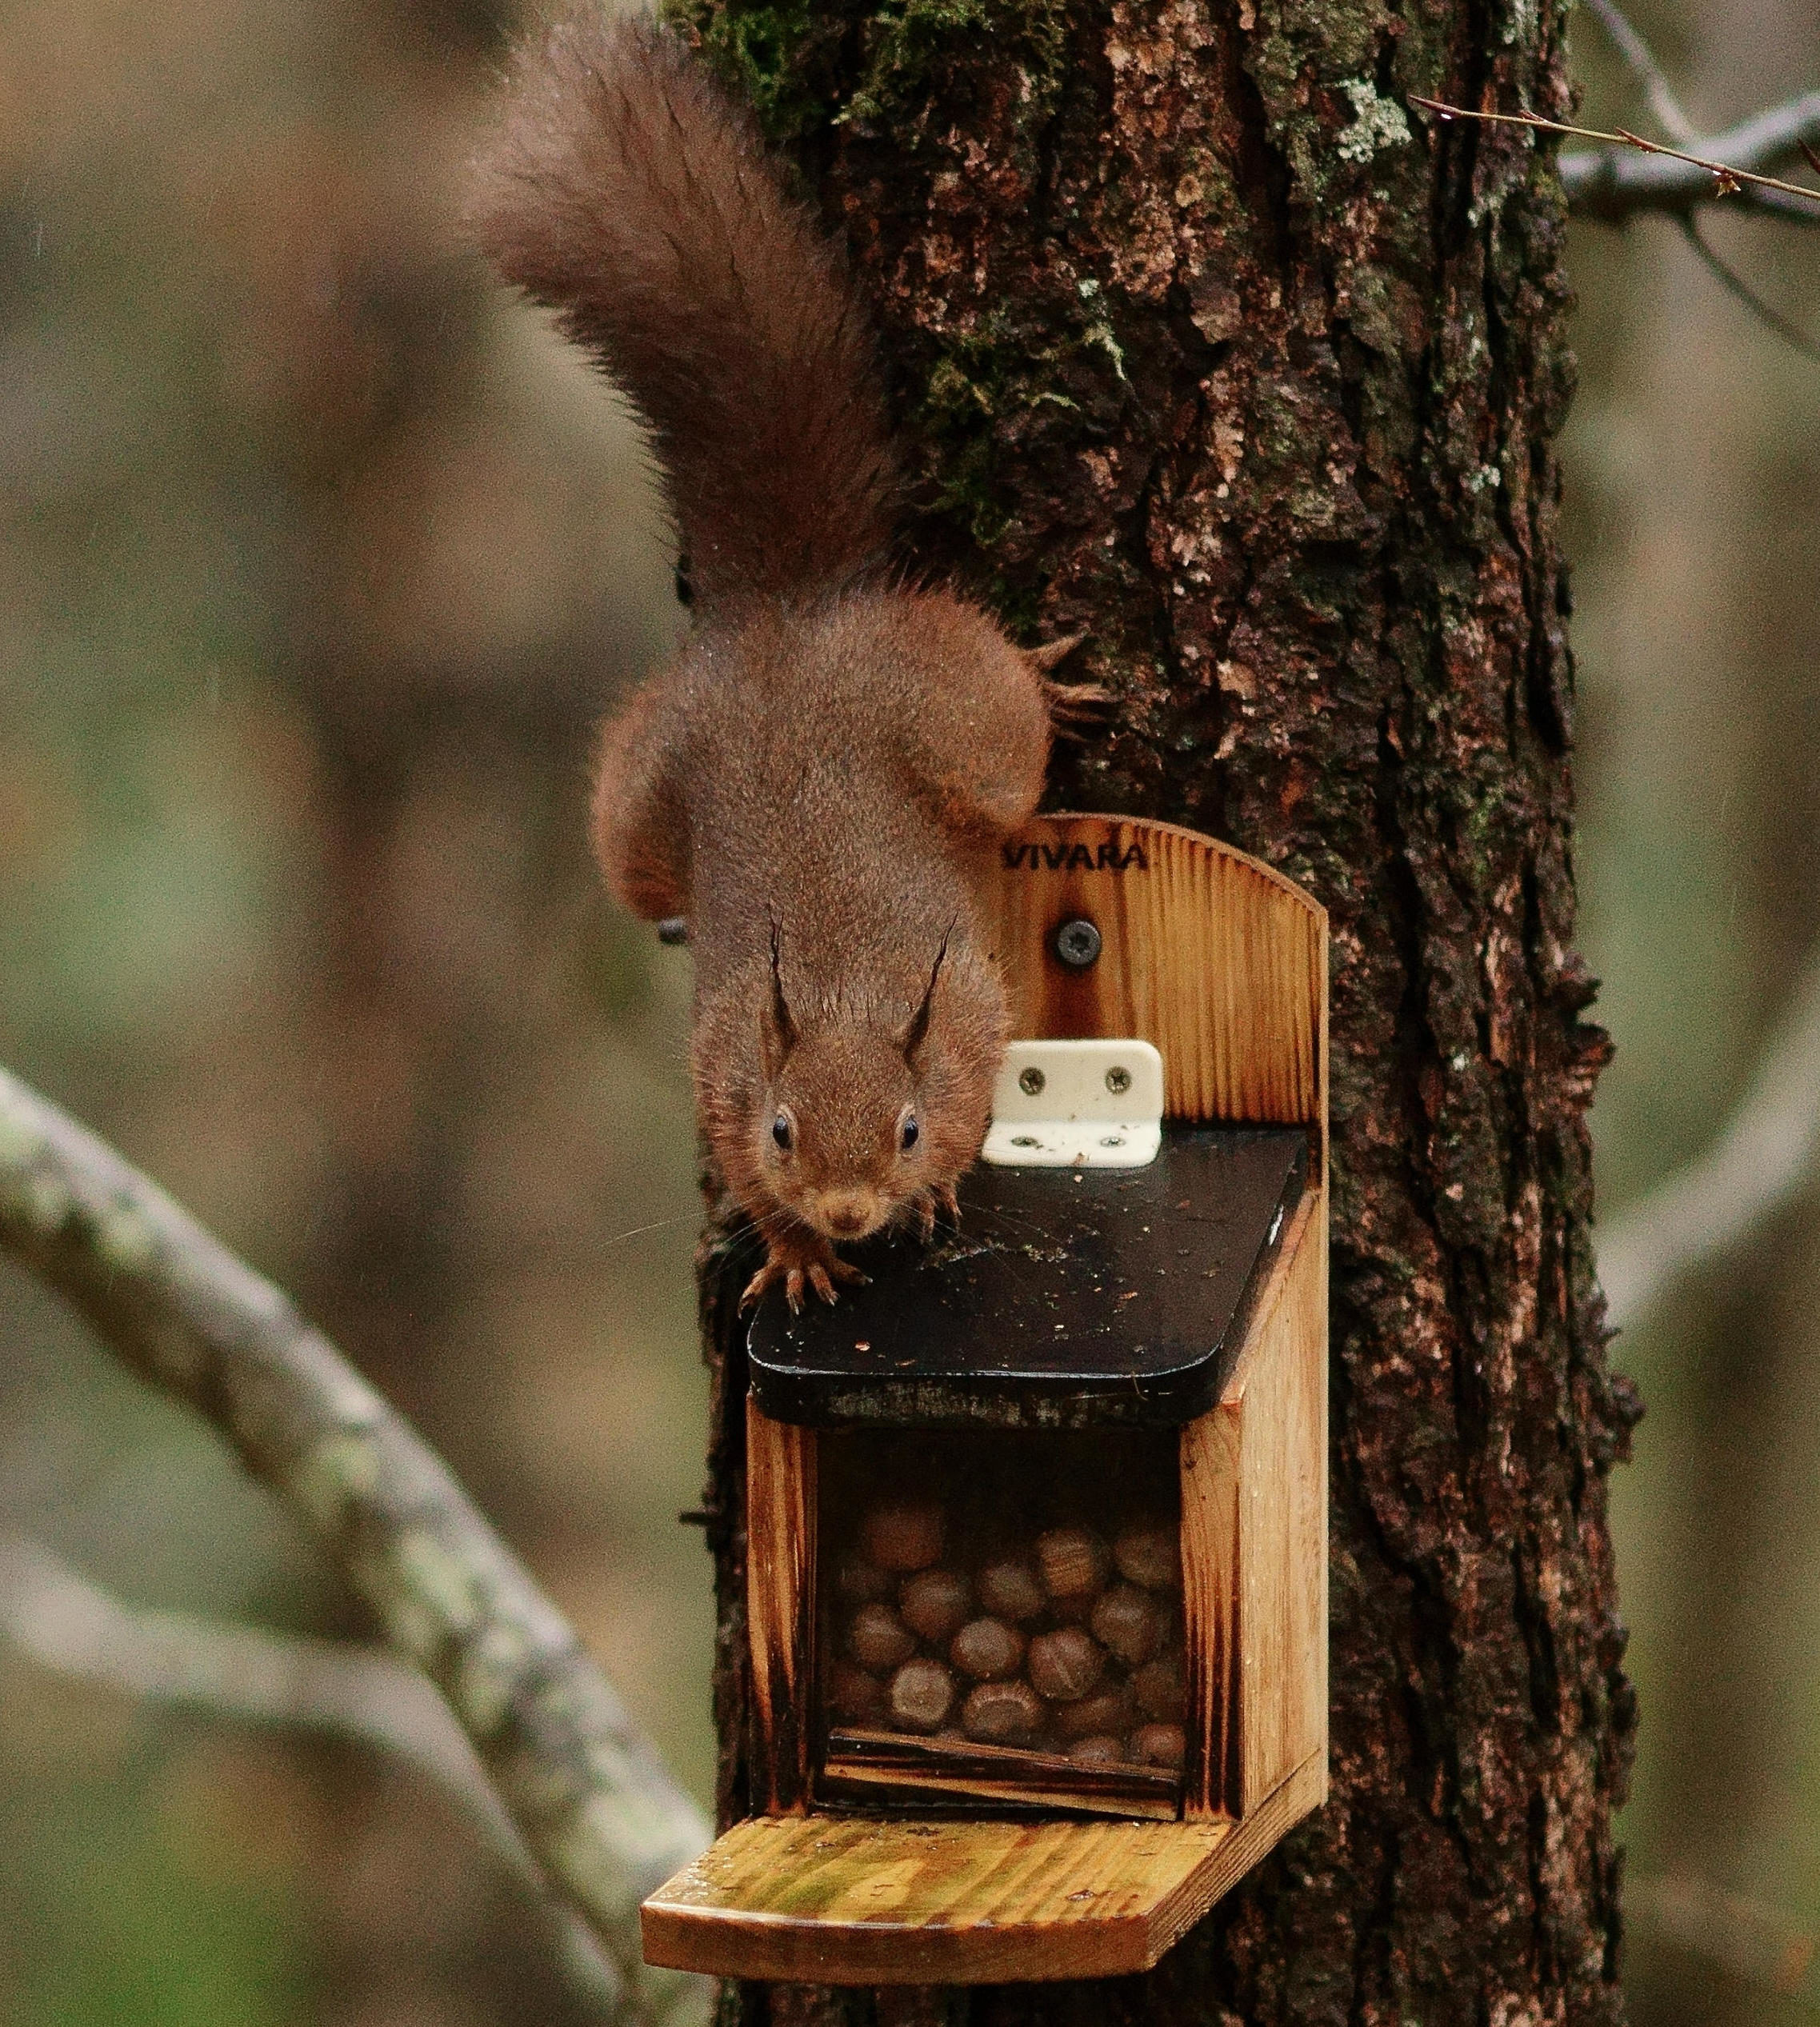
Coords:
pixel 823 1274
pixel 773 1274
pixel 755 1288
pixel 819 1271
pixel 939 1197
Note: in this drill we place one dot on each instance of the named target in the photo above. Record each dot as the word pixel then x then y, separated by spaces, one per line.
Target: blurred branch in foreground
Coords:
pixel 1755 1943
pixel 1765 1152
pixel 1673 122
pixel 243 1673
pixel 1642 60
pixel 592 1800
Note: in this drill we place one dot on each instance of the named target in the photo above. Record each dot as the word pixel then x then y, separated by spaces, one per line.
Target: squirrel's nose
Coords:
pixel 849 1214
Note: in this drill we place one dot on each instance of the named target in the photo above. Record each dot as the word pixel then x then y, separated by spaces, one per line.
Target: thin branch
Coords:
pixel 1631 175
pixel 590 1797
pixel 1764 1155
pixel 1725 176
pixel 76 1629
pixel 1648 72
pixel 1734 284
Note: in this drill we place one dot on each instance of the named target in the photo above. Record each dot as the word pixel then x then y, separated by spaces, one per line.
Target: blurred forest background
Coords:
pixel 319 560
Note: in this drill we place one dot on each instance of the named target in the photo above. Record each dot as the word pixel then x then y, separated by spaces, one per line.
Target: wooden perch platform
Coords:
pixel 833 1900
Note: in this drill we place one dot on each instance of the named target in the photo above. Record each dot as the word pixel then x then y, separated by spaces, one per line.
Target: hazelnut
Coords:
pixel 1099 1749
pixel 1129 1623
pixel 922 1694
pixel 903 1536
pixel 935 1604
pixel 862 1583
pixel 1075 1563
pixel 1011 1588
pixel 877 1638
pixel 1114 1710
pixel 1002 1714
pixel 1162 1694
pixel 987 1649
pixel 1066 1665
pixel 1149 1555
pixel 1160 1746
pixel 854 1696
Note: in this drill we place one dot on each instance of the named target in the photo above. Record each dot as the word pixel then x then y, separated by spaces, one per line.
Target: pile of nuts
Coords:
pixel 1072 1645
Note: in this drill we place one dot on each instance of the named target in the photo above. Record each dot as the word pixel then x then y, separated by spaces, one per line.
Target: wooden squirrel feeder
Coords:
pixel 1036 1521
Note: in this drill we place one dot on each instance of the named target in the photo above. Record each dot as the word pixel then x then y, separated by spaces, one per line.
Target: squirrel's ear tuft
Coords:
pixel 776 1030
pixel 916 1031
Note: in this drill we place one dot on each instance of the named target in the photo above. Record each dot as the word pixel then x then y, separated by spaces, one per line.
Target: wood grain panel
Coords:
pixel 780 1606
pixel 1280 1390
pixel 863 1900
pixel 1209 1453
pixel 936 1769
pixel 1207 953
pixel 1230 1543
pixel 863 1783
pixel 1234 1856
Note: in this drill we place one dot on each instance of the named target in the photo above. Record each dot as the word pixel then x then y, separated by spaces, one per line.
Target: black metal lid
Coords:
pixel 1068 1298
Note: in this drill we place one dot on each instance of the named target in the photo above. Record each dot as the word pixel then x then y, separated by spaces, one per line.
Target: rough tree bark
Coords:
pixel 1203 348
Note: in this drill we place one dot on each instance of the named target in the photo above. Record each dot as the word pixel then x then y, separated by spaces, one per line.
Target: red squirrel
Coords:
pixel 819 780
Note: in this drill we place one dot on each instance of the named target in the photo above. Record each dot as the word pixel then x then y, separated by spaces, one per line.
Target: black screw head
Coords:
pixel 1077 943
pixel 1031 1081
pixel 673 929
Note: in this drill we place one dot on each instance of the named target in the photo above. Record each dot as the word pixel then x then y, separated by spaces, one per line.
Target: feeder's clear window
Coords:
pixel 1017 1591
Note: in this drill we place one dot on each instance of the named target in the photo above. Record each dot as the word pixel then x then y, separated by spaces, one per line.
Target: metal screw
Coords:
pixel 1077 943
pixel 1112 1140
pixel 1025 1140
pixel 1031 1081
pixel 1119 1080
pixel 673 929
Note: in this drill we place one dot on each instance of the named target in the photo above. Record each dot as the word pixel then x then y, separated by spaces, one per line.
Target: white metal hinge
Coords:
pixel 1079 1105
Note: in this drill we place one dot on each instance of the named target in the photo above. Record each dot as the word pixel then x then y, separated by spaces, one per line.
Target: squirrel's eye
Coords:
pixel 780 1132
pixel 907 1134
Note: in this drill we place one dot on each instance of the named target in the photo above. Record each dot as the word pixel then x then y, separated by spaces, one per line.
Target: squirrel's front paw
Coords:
pixel 942 1198
pixel 795 1259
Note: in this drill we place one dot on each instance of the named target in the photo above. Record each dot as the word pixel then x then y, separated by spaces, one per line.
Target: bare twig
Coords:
pixel 1765 1153
pixel 1648 72
pixel 75 1629
pixel 1675 123
pixel 1725 177
pixel 1631 175
pixel 589 1796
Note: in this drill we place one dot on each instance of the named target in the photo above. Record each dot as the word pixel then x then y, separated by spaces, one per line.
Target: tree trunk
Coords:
pixel 1202 348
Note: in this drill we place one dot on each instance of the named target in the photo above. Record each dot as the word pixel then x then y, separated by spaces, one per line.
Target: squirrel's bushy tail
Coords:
pixel 625 190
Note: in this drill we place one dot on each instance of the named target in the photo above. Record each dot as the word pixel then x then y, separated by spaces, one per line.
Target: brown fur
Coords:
pixel 624 189
pixel 820 779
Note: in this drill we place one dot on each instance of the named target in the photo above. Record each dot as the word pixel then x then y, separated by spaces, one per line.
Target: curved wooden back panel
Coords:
pixel 1207 953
